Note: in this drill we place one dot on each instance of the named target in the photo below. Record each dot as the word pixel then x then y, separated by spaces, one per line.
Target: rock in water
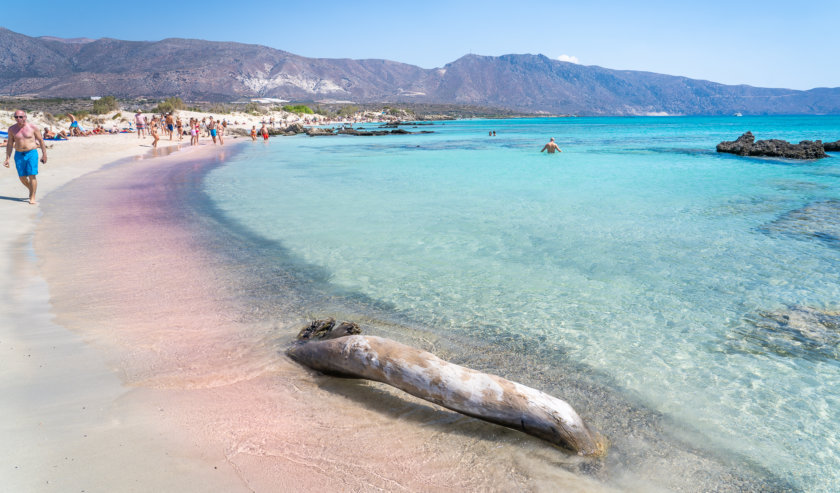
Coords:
pixel 741 146
pixel 746 145
pixel 832 146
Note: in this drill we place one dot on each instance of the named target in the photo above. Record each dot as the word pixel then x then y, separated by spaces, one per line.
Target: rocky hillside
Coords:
pixel 223 71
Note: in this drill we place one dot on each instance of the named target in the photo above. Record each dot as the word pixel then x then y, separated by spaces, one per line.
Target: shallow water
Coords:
pixel 636 270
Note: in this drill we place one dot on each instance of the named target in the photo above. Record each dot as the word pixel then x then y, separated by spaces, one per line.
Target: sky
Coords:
pixel 770 43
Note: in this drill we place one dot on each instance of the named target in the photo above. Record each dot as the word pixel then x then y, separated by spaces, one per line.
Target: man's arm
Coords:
pixel 544 148
pixel 10 144
pixel 40 142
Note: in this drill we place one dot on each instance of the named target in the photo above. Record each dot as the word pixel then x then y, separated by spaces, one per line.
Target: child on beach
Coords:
pixel 254 133
pixel 194 131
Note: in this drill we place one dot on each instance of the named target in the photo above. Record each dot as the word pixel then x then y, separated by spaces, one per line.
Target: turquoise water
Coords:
pixel 703 285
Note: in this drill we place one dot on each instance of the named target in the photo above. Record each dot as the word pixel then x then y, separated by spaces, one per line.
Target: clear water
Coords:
pixel 705 285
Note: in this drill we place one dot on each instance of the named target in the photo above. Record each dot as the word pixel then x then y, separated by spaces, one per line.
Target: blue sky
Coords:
pixel 762 43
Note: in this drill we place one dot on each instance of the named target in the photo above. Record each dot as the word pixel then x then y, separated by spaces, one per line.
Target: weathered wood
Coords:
pixel 480 395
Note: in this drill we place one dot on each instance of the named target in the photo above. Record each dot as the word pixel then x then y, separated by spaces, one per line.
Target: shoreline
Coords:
pixel 70 421
pixel 258 420
pixel 214 392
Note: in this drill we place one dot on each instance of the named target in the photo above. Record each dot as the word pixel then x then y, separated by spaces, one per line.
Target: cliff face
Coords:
pixel 196 69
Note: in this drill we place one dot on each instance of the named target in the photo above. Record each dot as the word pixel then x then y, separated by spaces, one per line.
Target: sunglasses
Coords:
pixel 21 116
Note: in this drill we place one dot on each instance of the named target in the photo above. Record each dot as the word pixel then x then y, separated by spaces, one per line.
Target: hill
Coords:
pixel 225 71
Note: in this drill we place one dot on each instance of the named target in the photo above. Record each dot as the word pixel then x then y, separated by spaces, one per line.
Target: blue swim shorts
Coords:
pixel 213 132
pixel 27 162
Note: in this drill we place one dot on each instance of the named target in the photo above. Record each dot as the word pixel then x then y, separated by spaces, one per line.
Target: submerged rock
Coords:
pixel 819 220
pixel 746 145
pixel 797 332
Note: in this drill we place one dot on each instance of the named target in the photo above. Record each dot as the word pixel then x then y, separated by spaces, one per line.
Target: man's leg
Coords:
pixel 31 184
pixel 25 181
pixel 33 187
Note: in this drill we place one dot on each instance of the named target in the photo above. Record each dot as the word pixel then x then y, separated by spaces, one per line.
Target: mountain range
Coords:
pixel 225 71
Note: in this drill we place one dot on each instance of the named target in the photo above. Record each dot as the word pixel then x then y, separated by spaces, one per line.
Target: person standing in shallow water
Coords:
pixel 551 147
pixel 24 137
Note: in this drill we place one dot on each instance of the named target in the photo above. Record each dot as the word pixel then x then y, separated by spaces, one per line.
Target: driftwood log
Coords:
pixel 424 375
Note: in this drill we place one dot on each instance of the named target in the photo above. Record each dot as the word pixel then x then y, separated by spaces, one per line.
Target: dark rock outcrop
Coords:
pixel 295 128
pixel 746 145
pixel 315 131
pixel 832 146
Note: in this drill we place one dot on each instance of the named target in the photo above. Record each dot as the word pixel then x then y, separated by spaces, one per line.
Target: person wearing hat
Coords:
pixel 140 122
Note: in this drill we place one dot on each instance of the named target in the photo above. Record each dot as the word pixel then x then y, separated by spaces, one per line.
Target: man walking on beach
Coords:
pixel 170 125
pixel 211 126
pixel 24 137
pixel 551 147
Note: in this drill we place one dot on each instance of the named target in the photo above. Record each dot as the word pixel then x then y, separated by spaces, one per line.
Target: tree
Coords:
pixel 104 105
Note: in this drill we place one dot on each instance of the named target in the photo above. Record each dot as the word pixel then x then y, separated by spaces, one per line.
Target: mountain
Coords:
pixel 223 71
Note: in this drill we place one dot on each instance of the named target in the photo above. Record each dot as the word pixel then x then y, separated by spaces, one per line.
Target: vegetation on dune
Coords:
pixel 169 105
pixel 348 110
pixel 105 104
pixel 299 108
pixel 82 107
pixel 253 108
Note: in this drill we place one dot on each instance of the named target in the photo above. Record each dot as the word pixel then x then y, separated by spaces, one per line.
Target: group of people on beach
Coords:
pixel 263 132
pixel 172 125
pixel 25 139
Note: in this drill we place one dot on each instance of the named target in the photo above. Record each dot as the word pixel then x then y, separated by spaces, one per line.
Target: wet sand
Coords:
pixel 70 424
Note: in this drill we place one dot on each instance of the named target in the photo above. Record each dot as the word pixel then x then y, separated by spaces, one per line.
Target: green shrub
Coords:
pixel 253 109
pixel 220 108
pixel 169 105
pixel 104 105
pixel 348 110
pixel 299 108
pixel 116 116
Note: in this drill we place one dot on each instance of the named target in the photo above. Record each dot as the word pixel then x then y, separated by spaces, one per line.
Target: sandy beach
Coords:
pixel 70 422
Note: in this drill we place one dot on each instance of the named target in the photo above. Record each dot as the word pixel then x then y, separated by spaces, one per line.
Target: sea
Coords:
pixel 685 302
pixel 704 286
